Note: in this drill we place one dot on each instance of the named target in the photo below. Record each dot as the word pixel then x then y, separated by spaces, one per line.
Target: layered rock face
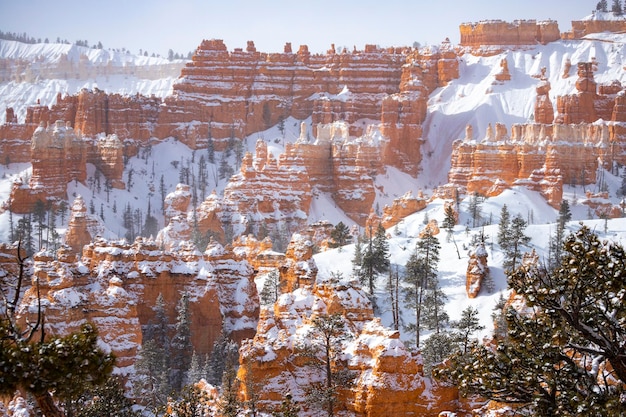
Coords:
pixel 82 228
pixel 388 378
pixel 401 208
pixel 544 156
pixel 269 191
pixel 579 107
pixel 115 286
pixel 221 93
pixel 582 28
pixel 367 109
pixel 517 33
pixel 59 154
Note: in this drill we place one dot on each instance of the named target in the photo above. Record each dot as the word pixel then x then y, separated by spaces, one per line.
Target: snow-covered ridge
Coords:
pixel 56 52
pixel 36 73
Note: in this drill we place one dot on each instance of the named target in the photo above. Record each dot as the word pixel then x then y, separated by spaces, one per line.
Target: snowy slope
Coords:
pixel 475 100
pixel 472 99
pixel 41 71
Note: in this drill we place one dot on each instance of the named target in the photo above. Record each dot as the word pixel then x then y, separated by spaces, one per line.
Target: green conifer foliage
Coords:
pixel 552 359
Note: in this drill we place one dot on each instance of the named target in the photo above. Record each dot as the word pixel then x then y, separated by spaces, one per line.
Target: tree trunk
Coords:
pixel 47 406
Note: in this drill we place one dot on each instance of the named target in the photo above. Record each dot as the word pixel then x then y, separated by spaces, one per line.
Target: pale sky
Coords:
pixel 160 25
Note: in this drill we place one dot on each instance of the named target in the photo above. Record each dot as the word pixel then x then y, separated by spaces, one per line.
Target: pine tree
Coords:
pixel 229 404
pixel 602 6
pixel 436 349
pixel 39 367
pixel 195 372
pixel 553 360
pixel 107 400
pixel 224 351
pixel 565 215
pixel 468 324
pixel 449 220
pixel 421 275
pixel 324 344
pixel 271 288
pixel 193 402
pixel 340 235
pixel 517 239
pixel 556 241
pixel 475 209
pixel 434 314
pixel 357 258
pixel 621 191
pixel 253 386
pixel 152 383
pixel 616 7
pixel 375 259
pixel 39 213
pixel 504 228
pixel 181 343
pixel 281 126
pixel 393 289
pixel 150 226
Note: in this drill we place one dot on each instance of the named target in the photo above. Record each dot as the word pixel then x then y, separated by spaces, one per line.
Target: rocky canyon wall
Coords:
pixel 115 286
pixel 375 94
pixel 388 377
pixel 501 33
pixel 563 147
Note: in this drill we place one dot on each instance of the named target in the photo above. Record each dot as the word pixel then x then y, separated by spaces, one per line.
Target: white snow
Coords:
pixel 471 99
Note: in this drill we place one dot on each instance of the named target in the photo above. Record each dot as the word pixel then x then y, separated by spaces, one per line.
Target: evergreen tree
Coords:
pixel 602 6
pixel 324 345
pixel 449 220
pixel 64 366
pixel 193 402
pixel 475 209
pixel 621 191
pixel 150 226
pixel 253 386
pixel 517 239
pixel 499 321
pixel 225 170
pixel 421 276
pixel 107 400
pixel 225 351
pixel 616 7
pixel 195 372
pixel 565 215
pixel 271 288
pixel 340 235
pixel 281 126
pixel 437 347
pixel 504 228
pixel 434 314
pixel 556 241
pixel 229 404
pixel 553 358
pixel 181 343
pixel 24 234
pixel 357 258
pixel 375 259
pixel 162 191
pixel 468 324
pixel 210 150
pixel 393 289
pixel 39 214
pixel 152 383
